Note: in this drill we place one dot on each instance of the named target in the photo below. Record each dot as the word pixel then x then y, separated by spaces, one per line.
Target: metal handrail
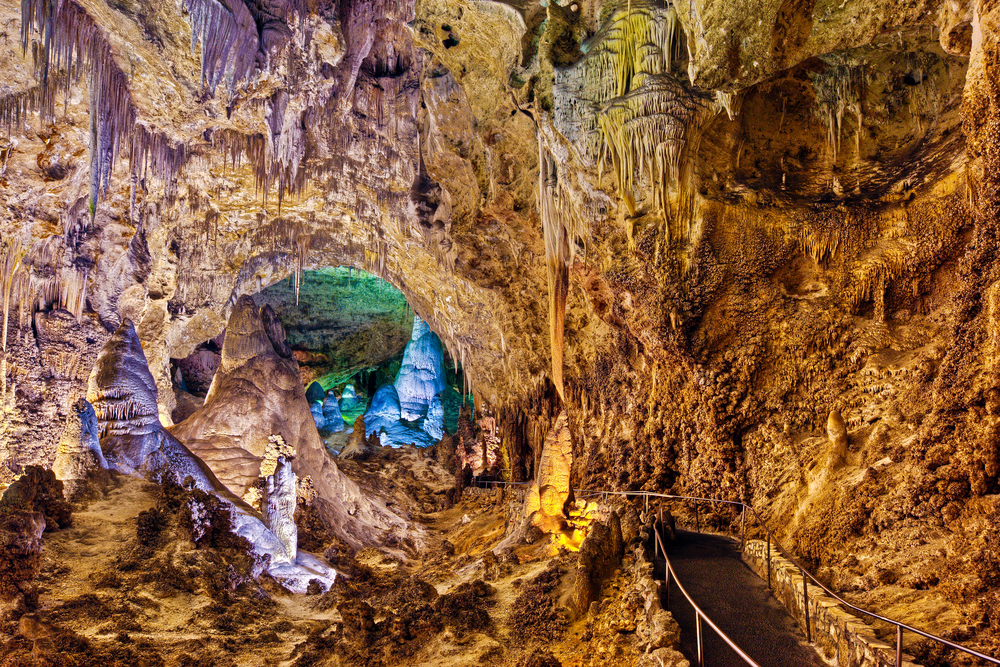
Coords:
pixel 900 627
pixel 698 613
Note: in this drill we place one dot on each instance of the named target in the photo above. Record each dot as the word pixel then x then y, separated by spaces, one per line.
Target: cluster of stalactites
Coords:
pixel 647 120
pixel 838 90
pixel 647 132
pixel 229 41
pixel 639 40
pixel 70 36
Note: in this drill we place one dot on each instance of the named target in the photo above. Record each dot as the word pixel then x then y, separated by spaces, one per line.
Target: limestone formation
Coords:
pixel 433 422
pixel 278 508
pixel 836 433
pixel 554 471
pixel 316 408
pixel 79 452
pixel 348 399
pixel 332 419
pixel 134 442
pixel 657 243
pixel 421 375
pixel 257 394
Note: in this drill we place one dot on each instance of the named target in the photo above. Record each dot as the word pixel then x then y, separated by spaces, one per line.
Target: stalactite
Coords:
pixel 650 132
pixel 15 107
pixel 11 257
pixel 839 89
pixel 554 209
pixel 229 40
pixel 70 34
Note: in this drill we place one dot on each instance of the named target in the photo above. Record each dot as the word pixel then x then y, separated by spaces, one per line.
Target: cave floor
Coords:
pixel 105 607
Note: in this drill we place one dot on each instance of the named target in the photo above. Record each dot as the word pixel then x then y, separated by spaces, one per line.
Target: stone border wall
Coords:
pixel 841 638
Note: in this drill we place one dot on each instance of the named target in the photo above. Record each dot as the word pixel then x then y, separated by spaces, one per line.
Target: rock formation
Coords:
pixel 553 483
pixel 348 399
pixel 421 376
pixel 79 454
pixel 433 422
pixel 836 433
pixel 316 408
pixel 278 507
pixel 691 227
pixel 257 394
pixel 123 394
pixel 333 421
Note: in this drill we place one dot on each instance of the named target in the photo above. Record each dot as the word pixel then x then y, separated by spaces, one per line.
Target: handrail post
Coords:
pixel 899 646
pixel 805 609
pixel 743 528
pixel 666 581
pixel 647 503
pixel 697 526
pixel 656 545
pixel 701 647
pixel 768 555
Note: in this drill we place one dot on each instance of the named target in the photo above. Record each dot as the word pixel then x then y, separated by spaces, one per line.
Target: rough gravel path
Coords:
pixel 736 600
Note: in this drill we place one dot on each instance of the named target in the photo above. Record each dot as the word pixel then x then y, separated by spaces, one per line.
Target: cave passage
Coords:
pixel 362 351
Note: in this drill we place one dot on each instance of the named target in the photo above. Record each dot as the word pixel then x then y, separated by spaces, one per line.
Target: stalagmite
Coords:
pixel 79 451
pixel 278 508
pixel 123 394
pixel 553 480
pixel 836 432
pixel 421 375
pixel 332 419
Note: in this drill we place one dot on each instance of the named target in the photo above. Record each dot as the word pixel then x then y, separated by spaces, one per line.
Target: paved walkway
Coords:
pixel 736 600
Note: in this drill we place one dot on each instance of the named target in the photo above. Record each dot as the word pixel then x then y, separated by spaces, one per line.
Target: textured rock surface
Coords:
pixel 134 442
pixel 80 453
pixel 332 419
pixel 694 229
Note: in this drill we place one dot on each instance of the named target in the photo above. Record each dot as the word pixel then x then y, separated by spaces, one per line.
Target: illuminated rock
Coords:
pixel 260 397
pixel 278 508
pixel 421 376
pixel 123 394
pixel 79 449
pixel 348 399
pixel 554 474
pixel 383 419
pixel 434 421
pixel 333 421
pixel 384 411
pixel 316 408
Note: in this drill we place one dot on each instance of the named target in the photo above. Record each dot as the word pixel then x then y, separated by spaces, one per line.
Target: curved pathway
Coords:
pixel 736 600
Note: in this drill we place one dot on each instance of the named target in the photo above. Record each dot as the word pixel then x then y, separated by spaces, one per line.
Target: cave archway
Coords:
pixel 353 335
